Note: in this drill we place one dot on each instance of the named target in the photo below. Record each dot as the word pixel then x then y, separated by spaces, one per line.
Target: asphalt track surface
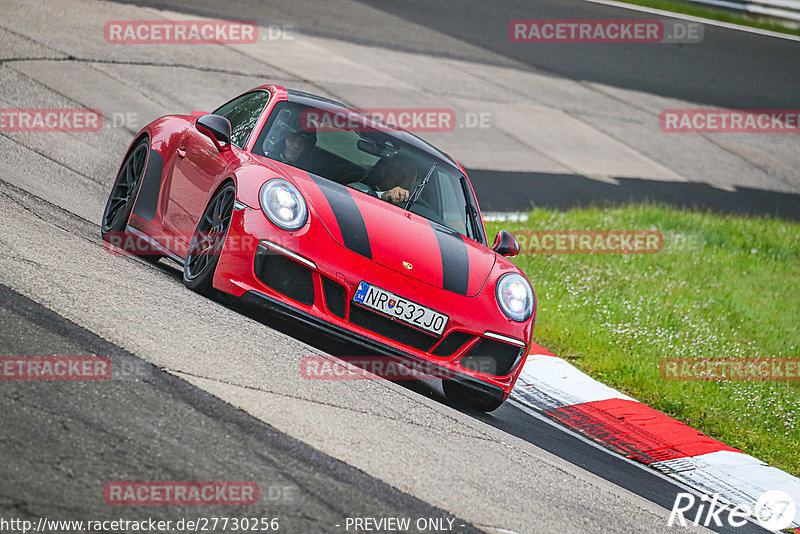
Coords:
pixel 68 439
pixel 727 69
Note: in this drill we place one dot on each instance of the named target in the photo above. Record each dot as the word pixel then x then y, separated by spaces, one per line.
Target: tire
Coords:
pixel 121 200
pixel 458 393
pixel 207 240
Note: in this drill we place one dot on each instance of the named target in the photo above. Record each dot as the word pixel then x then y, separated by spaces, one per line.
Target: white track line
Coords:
pixel 691 18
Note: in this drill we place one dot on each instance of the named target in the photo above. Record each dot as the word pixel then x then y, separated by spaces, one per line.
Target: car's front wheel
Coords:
pixel 459 393
pixel 209 236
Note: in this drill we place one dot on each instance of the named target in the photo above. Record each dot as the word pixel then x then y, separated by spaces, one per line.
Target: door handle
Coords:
pixel 181 153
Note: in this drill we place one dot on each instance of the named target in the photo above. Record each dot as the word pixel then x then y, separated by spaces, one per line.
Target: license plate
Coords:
pixel 399 308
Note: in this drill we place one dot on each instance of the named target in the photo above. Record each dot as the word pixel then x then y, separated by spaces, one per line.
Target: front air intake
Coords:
pixel 451 344
pixel 492 357
pixel 386 327
pixel 335 296
pixel 284 275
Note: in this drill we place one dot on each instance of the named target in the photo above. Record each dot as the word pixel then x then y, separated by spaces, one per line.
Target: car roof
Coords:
pixel 323 103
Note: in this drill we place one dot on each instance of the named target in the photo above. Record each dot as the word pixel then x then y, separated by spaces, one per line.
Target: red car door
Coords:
pixel 201 166
pixel 198 168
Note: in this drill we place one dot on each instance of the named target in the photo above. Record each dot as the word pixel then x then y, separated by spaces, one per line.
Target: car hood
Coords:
pixel 397 239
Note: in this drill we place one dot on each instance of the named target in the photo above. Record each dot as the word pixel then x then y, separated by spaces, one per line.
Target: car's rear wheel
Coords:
pixel 459 393
pixel 209 236
pixel 120 204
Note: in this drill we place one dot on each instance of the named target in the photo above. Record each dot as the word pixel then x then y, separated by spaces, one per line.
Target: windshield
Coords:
pixel 352 149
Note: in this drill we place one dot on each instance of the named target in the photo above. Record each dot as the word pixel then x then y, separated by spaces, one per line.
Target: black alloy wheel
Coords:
pixel 209 236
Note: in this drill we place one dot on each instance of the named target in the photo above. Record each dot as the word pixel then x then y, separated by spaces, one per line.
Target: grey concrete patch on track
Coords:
pixel 13 45
pixel 40 175
pixel 343 20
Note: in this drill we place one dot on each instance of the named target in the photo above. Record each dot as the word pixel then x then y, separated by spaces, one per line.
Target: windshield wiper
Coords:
pixel 418 190
pixel 470 211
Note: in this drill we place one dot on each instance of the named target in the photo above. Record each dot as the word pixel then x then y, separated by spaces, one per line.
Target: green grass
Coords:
pixel 721 15
pixel 724 286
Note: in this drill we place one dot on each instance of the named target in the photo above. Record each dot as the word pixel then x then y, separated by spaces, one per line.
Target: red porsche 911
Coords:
pixel 298 204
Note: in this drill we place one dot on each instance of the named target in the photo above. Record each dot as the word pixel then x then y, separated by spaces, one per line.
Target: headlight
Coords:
pixel 515 297
pixel 283 204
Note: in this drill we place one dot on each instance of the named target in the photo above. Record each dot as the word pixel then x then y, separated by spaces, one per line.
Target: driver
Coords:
pixel 394 180
pixel 291 149
pixel 290 140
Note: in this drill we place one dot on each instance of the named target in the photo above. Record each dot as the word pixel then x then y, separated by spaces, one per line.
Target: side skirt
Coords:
pixel 155 244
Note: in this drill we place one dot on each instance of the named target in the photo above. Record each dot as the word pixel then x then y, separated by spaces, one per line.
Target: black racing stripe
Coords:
pixel 455 260
pixel 147 201
pixel 351 224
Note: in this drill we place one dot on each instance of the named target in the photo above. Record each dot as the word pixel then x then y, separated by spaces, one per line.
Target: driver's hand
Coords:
pixel 395 195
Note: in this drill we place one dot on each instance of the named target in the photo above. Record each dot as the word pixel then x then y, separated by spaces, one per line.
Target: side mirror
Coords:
pixel 506 244
pixel 217 128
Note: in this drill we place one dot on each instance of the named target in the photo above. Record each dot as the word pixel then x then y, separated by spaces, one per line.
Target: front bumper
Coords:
pixel 343 334
pixel 317 263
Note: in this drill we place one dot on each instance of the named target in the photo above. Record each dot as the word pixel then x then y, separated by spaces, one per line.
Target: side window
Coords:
pixel 243 112
pixel 452 198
